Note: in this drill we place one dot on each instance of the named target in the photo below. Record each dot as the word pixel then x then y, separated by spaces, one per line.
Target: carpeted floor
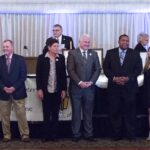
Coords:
pixel 67 144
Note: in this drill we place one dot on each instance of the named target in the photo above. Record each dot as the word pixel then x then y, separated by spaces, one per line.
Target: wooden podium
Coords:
pixel 31 64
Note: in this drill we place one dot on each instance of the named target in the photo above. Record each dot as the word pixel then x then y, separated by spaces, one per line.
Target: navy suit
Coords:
pixel 82 99
pixel 15 77
pixel 66 40
pixel 122 97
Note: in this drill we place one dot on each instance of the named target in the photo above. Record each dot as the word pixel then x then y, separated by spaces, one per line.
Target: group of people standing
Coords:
pixel 121 65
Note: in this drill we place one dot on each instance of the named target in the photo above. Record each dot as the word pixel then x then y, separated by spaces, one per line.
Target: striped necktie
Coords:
pixel 8 62
pixel 122 56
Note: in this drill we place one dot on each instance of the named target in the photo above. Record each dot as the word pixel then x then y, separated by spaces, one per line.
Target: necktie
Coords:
pixel 122 56
pixel 8 62
pixel 84 56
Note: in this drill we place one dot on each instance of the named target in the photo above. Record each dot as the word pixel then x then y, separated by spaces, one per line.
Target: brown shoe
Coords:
pixel 6 140
pixel 25 139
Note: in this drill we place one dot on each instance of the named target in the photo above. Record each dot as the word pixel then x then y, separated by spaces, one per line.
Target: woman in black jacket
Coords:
pixel 51 87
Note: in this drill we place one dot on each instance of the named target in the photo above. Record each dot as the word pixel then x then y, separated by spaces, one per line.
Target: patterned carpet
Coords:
pixel 67 144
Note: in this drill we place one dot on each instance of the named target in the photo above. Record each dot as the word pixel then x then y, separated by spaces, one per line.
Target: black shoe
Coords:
pixel 133 139
pixel 54 139
pixel 116 139
pixel 76 139
pixel 90 139
pixel 45 140
pixel 6 140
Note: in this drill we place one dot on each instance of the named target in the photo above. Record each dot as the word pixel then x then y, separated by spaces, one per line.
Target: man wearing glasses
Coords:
pixel 65 42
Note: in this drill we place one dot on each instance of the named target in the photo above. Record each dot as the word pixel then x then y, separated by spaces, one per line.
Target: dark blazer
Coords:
pixel 139 48
pixel 42 73
pixel 16 77
pixel 132 67
pixel 66 40
pixel 78 71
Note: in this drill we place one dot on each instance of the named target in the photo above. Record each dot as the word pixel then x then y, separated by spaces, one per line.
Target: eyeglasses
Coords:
pixel 56 30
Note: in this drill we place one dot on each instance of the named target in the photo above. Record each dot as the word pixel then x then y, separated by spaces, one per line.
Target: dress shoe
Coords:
pixel 148 138
pixel 54 139
pixel 133 139
pixel 116 139
pixel 90 139
pixel 6 139
pixel 25 138
pixel 76 139
pixel 45 140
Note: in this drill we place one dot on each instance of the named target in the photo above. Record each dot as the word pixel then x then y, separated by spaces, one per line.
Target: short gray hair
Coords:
pixel 141 36
pixel 84 35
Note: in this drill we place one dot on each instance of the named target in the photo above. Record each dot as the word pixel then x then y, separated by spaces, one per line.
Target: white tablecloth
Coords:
pixel 102 81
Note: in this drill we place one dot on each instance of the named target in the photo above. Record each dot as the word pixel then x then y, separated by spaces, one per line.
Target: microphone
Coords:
pixel 26 52
pixel 25 47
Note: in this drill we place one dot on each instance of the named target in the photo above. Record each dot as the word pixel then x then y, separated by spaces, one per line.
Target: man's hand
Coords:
pixel 120 80
pixel 83 85
pixel 9 90
pixel 89 83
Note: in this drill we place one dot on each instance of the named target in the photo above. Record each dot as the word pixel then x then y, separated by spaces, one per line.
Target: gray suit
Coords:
pixel 82 98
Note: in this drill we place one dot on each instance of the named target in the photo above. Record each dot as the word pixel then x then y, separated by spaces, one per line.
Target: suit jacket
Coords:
pixel 66 40
pixel 132 67
pixel 139 48
pixel 77 69
pixel 15 77
pixel 42 73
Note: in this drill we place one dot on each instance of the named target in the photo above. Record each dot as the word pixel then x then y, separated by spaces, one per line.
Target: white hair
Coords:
pixel 141 36
pixel 83 36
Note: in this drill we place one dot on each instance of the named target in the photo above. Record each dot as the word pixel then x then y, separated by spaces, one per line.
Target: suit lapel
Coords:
pixel 116 57
pixel 79 55
pixel 12 63
pixel 126 59
pixel 63 39
pixel 5 65
pixel 89 57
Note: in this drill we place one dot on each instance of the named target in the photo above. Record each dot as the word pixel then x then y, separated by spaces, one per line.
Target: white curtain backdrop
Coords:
pixel 32 30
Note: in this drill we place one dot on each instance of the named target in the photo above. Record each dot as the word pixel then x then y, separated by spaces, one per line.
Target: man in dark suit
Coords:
pixel 65 42
pixel 122 65
pixel 12 90
pixel 83 68
pixel 143 40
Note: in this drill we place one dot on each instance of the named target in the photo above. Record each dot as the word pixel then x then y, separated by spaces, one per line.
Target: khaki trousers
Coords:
pixel 5 111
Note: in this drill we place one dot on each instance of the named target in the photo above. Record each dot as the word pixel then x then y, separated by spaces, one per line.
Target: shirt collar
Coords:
pixel 120 50
pixel 59 38
pixel 10 57
pixel 83 50
pixel 47 55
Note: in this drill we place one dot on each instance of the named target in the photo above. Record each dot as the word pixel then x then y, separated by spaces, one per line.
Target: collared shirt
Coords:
pixel 52 82
pixel 84 51
pixel 10 57
pixel 59 39
pixel 122 54
pixel 61 46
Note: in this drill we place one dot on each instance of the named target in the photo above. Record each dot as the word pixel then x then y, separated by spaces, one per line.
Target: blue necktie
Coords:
pixel 122 56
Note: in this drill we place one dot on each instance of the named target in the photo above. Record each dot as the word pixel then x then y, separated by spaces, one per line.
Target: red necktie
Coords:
pixel 8 62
